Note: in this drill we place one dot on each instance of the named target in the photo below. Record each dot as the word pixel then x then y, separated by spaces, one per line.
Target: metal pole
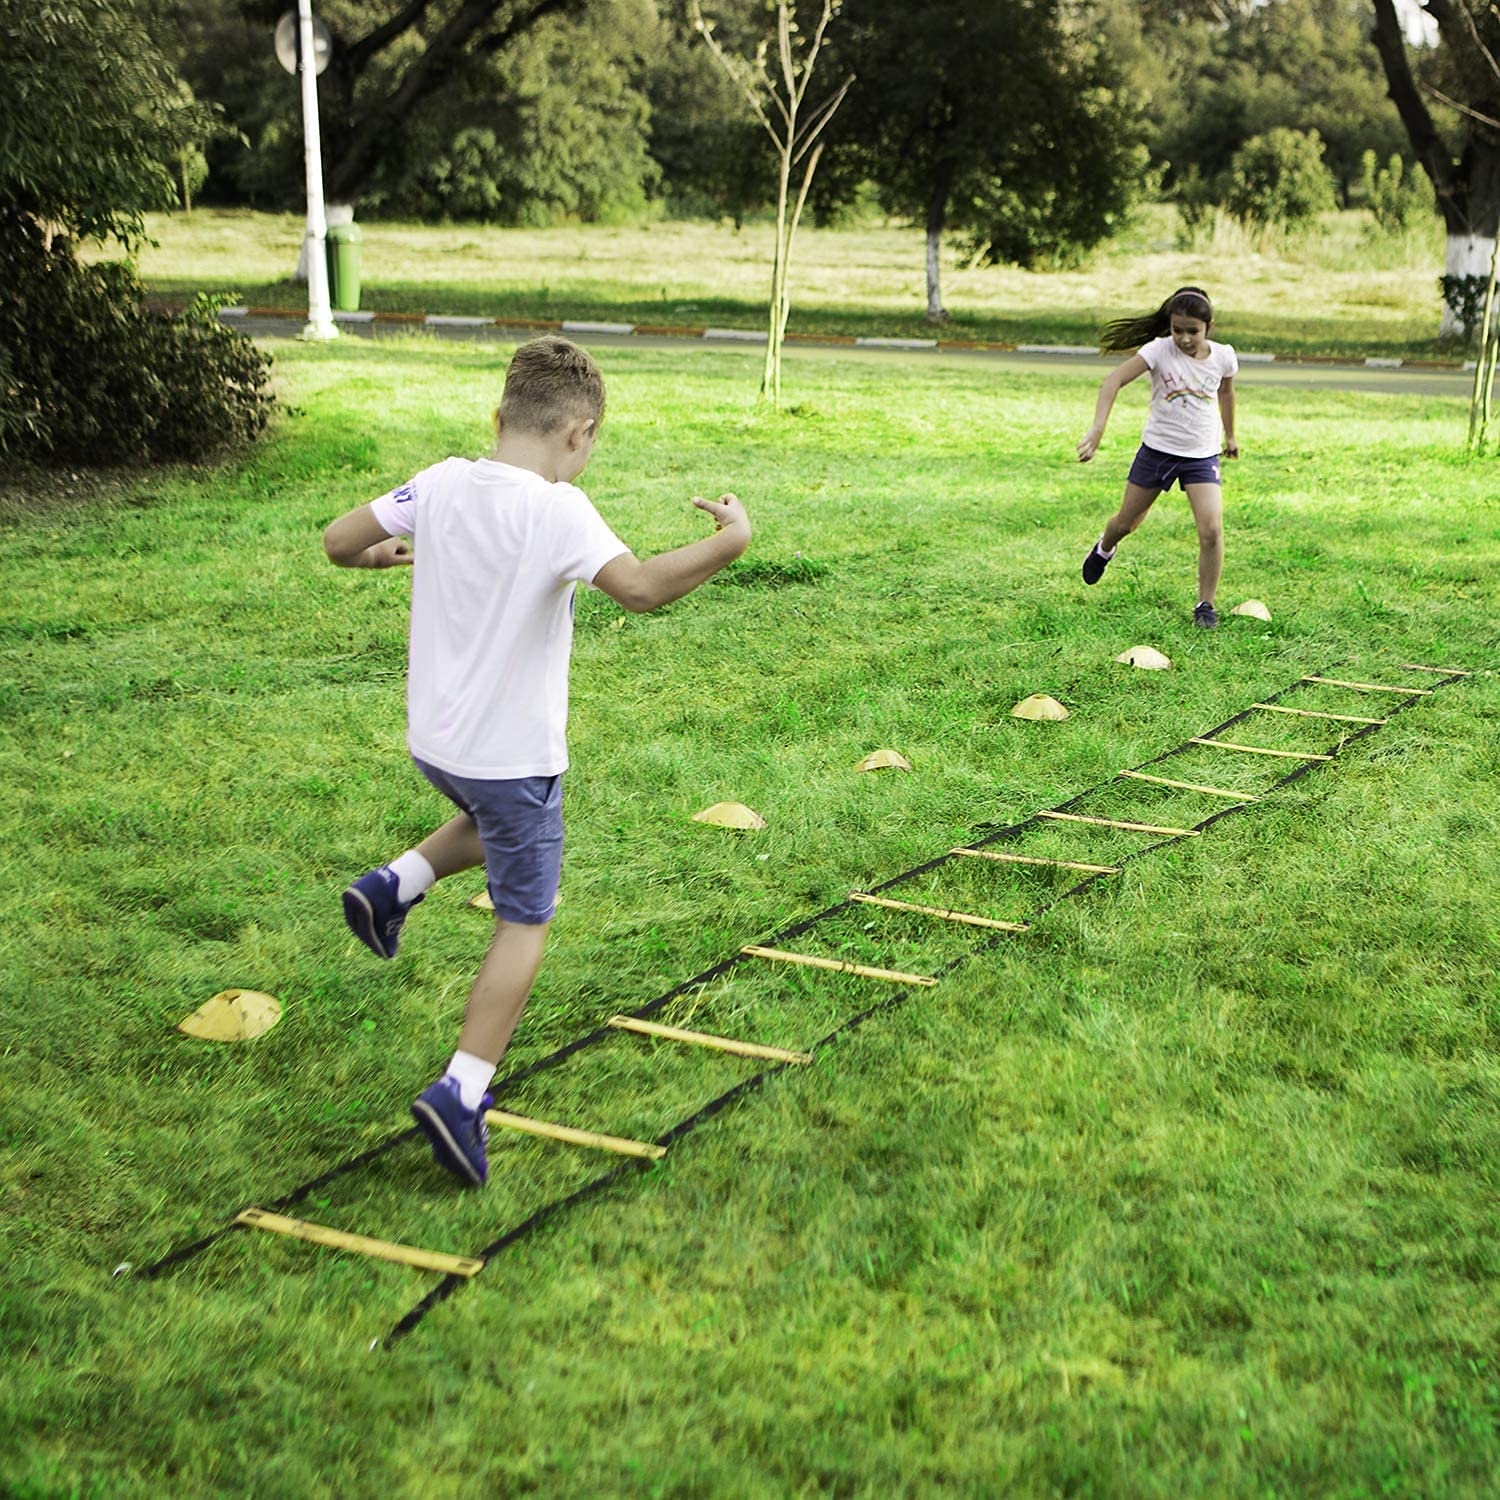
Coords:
pixel 320 324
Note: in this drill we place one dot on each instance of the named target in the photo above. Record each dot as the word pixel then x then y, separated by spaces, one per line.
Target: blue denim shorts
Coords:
pixel 1155 470
pixel 521 828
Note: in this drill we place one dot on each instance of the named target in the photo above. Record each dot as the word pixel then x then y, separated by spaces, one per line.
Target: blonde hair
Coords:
pixel 550 382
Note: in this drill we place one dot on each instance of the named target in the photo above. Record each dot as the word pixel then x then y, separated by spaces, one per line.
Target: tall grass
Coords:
pixel 1338 290
pixel 1189 1190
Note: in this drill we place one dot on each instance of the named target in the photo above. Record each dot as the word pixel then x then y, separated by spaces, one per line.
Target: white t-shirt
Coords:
pixel 1184 416
pixel 499 552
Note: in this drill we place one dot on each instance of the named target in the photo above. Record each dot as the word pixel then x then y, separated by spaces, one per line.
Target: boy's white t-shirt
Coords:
pixel 499 552
pixel 1184 416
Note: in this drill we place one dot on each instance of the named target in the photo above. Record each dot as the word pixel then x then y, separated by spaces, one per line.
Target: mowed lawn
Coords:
pixel 1191 1189
pixel 1338 290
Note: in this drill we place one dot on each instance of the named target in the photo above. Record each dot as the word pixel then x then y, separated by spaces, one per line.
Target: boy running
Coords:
pixel 500 546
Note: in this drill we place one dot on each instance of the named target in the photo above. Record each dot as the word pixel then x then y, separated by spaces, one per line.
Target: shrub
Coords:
pixel 1197 200
pixel 1398 200
pixel 1464 298
pixel 1278 181
pixel 89 374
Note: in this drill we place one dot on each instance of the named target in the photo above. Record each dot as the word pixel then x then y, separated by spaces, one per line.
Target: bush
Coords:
pixel 89 375
pixel 1464 298
pixel 1278 181
pixel 1198 205
pixel 1399 200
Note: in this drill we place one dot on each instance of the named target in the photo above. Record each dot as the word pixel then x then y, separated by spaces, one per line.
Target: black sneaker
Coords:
pixel 1206 617
pixel 1095 564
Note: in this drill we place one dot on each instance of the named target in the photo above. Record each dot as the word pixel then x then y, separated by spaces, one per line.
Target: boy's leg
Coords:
pixel 501 989
pixel 1207 501
pixel 451 1111
pixel 520 828
pixel 453 847
pixel 377 905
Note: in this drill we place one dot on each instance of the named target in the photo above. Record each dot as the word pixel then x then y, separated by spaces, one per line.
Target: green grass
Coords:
pixel 1191 1190
pixel 1334 293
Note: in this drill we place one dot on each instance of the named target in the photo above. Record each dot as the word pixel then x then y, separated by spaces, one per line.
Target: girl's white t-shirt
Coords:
pixel 1184 416
pixel 499 552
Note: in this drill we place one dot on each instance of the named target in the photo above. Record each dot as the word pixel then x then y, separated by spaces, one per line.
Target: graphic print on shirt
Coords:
pixel 1183 392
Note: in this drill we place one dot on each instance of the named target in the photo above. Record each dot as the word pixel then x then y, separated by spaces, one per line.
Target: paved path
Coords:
pixel 1404 381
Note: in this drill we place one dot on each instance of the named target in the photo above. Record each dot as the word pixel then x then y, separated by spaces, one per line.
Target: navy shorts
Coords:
pixel 1155 470
pixel 521 828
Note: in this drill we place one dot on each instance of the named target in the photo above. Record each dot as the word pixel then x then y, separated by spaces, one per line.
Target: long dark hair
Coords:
pixel 1131 333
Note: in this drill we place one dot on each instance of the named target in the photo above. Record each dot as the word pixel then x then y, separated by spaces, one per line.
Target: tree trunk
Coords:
pixel 770 385
pixel 936 213
pixel 1467 189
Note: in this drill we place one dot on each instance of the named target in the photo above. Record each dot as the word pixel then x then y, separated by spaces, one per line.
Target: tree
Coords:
pixel 1218 76
pixel 554 127
pixel 997 119
pixel 1277 181
pixel 781 105
pixel 711 152
pixel 391 65
pixel 1460 75
pixel 95 120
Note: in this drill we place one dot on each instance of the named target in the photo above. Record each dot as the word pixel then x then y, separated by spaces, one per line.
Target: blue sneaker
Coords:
pixel 458 1135
pixel 374 914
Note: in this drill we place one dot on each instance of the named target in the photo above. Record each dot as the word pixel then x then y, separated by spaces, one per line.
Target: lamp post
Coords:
pixel 320 324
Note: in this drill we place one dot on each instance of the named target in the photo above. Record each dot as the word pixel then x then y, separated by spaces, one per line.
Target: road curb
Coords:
pixel 847 340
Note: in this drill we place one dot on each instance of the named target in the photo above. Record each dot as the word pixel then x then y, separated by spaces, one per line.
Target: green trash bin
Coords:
pixel 343 242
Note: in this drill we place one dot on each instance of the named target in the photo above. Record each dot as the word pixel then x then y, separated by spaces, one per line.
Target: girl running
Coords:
pixel 1192 394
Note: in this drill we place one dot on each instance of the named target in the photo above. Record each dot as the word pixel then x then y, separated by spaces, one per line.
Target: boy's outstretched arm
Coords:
pixel 1122 374
pixel 639 586
pixel 358 540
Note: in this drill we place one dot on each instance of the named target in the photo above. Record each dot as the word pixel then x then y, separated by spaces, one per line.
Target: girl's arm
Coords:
pixel 1122 374
pixel 1226 415
pixel 358 540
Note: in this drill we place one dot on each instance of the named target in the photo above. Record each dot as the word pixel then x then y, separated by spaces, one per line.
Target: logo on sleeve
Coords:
pixel 408 491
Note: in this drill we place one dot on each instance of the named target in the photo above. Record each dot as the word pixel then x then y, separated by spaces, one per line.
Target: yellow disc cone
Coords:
pixel 730 815
pixel 1145 656
pixel 1039 706
pixel 232 1016
pixel 880 760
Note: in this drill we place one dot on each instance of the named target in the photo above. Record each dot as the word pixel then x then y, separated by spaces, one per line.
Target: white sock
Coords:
pixel 414 876
pixel 472 1074
pixel 1099 547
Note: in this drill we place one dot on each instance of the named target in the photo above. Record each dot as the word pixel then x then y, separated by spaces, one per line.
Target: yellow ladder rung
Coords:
pixel 338 1239
pixel 704 1039
pixel 1192 786
pixel 1311 713
pixel 1371 687
pixel 1182 833
pixel 1411 666
pixel 1031 859
pixel 776 955
pixel 939 911
pixel 565 1133
pixel 1260 750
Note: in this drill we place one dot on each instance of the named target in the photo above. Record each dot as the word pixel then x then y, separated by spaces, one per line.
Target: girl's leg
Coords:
pixel 1138 500
pixel 1207 501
